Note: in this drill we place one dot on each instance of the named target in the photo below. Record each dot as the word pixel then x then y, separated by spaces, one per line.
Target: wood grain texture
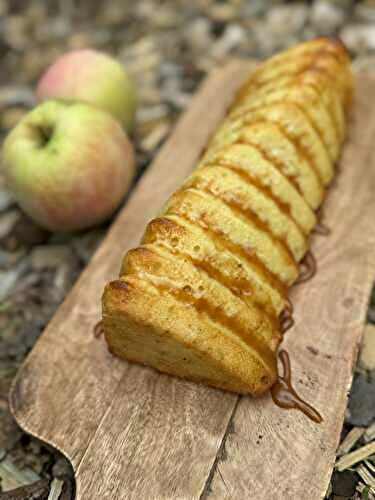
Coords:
pixel 131 433
pixel 277 454
pixel 72 393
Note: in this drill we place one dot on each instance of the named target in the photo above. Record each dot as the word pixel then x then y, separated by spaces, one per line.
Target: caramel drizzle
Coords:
pixel 292 138
pixel 296 74
pixel 284 395
pixel 219 239
pixel 236 249
pixel 289 305
pixel 254 108
pixel 319 131
pixel 245 120
pixel 98 329
pixel 240 288
pixel 306 59
pixel 275 161
pixel 310 66
pixel 248 214
pixel 302 79
pixel 185 295
pixel 327 46
pixel 265 190
pixel 311 122
pixel 286 320
pixel 308 268
pixel 322 229
pixel 329 105
pixel 319 93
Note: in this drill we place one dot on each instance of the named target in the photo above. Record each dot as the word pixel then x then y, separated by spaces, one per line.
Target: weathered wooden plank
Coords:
pixel 128 432
pixel 155 443
pixel 276 454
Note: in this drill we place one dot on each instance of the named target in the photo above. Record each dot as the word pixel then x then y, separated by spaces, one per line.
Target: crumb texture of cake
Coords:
pixel 204 294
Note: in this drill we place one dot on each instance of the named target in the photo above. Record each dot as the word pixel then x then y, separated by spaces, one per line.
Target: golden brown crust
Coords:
pixel 203 352
pixel 202 296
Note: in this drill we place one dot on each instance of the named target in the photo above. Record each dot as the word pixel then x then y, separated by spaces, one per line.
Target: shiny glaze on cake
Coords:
pixel 205 295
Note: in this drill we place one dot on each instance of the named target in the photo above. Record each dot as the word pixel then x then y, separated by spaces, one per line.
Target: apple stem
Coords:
pixel 44 134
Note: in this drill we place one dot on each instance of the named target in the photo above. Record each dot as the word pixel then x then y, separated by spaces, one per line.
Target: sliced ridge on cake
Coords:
pixel 204 294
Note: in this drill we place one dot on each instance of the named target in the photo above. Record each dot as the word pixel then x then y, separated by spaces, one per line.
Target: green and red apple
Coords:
pixel 69 164
pixel 94 77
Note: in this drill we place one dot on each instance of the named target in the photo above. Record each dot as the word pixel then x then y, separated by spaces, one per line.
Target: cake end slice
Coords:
pixel 145 327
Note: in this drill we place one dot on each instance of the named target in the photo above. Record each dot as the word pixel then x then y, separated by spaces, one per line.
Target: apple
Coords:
pixel 68 164
pixel 94 77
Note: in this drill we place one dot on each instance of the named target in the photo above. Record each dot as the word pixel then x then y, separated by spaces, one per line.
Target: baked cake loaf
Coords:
pixel 202 297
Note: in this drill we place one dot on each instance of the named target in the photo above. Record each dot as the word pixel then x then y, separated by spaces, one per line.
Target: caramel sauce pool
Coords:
pixel 284 395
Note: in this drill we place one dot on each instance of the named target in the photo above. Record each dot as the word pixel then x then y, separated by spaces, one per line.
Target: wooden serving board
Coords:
pixel 132 433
